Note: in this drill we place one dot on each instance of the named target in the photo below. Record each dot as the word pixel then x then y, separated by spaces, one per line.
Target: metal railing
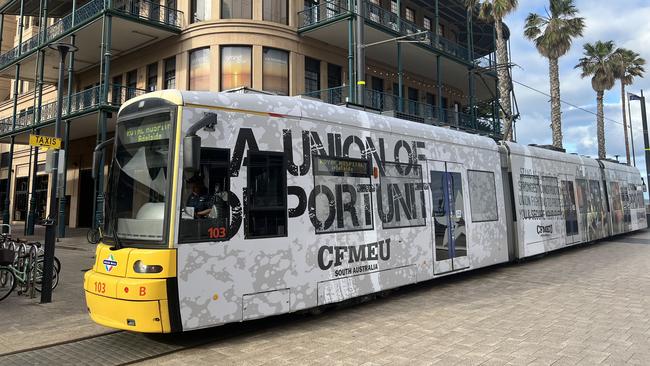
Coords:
pixel 326 11
pixel 141 9
pixel 150 11
pixel 411 109
pixel 322 12
pixel 79 102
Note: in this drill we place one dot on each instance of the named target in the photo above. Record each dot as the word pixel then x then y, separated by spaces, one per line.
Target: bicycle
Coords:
pixel 94 235
pixel 19 267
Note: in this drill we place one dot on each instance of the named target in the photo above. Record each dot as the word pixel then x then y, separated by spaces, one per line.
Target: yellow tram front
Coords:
pixel 132 284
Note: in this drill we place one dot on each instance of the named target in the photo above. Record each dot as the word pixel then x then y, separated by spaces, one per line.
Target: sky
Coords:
pixel 627 23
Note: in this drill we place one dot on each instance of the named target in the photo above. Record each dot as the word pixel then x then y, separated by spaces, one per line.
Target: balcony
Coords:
pixel 332 11
pixel 321 14
pixel 414 110
pixel 142 11
pixel 78 104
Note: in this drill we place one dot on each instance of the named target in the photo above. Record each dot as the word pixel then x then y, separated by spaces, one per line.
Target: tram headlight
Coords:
pixel 140 267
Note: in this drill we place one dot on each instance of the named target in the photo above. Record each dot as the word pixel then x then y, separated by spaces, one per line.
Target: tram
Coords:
pixel 225 207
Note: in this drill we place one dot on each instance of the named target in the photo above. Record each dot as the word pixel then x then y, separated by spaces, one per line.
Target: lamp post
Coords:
pixel 644 120
pixel 629 118
pixel 50 222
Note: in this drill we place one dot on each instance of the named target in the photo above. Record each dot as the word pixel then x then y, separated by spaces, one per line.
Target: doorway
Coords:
pixel 86 191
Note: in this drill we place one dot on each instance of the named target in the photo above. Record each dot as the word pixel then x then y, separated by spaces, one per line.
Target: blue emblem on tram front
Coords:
pixel 109 263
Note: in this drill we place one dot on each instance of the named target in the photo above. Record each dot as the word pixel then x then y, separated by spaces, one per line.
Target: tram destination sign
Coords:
pixel 146 132
pixel 342 167
pixel 45 141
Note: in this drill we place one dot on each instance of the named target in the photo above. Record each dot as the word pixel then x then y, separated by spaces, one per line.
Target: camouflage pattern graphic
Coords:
pixel 348 234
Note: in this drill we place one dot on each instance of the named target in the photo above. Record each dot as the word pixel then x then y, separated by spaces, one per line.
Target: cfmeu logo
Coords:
pixel 110 263
pixel 544 230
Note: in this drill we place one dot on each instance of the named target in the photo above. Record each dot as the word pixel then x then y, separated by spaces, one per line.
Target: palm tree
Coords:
pixel 553 35
pixel 599 62
pixel 495 11
pixel 629 66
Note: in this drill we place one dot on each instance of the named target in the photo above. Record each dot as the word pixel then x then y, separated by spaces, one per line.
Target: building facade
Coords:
pixel 430 61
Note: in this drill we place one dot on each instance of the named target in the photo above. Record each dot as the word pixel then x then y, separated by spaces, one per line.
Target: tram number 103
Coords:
pixel 217 232
pixel 100 287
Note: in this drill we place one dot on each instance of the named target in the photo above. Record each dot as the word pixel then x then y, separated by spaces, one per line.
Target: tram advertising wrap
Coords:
pixel 227 207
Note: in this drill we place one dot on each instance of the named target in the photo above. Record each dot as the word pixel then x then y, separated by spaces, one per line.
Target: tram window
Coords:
pixel 482 196
pixel 206 214
pixel 342 199
pixel 530 196
pixel 266 212
pixel 401 197
pixel 581 186
pixel 551 192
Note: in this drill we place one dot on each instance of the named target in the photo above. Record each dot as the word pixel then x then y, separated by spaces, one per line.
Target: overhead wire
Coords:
pixel 565 102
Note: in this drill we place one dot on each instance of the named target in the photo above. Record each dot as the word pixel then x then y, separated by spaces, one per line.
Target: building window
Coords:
pixel 426 23
pixel 393 7
pixel 236 67
pixel 312 75
pixel 170 16
pixel 152 76
pixel 266 213
pixel 131 83
pixel 170 73
pixel 275 71
pixel 236 9
pixel 200 10
pixel 276 11
pixel 441 29
pixel 334 82
pixel 410 15
pixel 200 69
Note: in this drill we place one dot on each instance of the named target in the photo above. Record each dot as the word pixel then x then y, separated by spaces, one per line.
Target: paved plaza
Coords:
pixel 581 306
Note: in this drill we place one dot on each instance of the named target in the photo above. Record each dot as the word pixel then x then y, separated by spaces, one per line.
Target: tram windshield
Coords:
pixel 138 183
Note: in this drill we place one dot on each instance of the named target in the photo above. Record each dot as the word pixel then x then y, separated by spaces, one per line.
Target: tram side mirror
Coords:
pixel 97 156
pixel 191 153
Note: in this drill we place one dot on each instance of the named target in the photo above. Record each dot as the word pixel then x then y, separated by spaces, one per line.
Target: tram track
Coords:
pixel 118 348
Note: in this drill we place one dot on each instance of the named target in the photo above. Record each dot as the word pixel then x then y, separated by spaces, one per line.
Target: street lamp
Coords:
pixel 50 222
pixel 644 119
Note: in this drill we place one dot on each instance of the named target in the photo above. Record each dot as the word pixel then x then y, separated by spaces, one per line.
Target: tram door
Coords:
pixel 570 211
pixel 448 216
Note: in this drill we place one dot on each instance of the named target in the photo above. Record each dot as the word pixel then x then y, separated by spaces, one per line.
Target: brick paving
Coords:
pixel 24 323
pixel 582 306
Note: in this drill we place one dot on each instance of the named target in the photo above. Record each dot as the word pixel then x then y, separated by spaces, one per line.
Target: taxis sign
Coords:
pixel 45 141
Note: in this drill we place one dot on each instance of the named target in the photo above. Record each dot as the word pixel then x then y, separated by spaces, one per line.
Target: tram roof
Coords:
pixel 620 167
pixel 315 111
pixel 543 153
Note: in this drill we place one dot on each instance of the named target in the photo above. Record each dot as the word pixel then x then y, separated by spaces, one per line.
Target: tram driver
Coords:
pixel 198 199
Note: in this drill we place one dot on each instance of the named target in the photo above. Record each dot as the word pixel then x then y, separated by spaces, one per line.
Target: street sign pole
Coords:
pixel 50 222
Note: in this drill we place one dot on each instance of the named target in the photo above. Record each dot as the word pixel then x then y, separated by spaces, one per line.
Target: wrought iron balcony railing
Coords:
pixel 141 9
pixel 326 11
pixel 78 103
pixel 323 12
pixel 411 109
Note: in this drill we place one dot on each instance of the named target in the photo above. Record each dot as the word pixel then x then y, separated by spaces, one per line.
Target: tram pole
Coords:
pixel 50 222
pixel 644 119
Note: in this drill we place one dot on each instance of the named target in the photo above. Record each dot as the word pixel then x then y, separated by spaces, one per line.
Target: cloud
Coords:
pixel 579 126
